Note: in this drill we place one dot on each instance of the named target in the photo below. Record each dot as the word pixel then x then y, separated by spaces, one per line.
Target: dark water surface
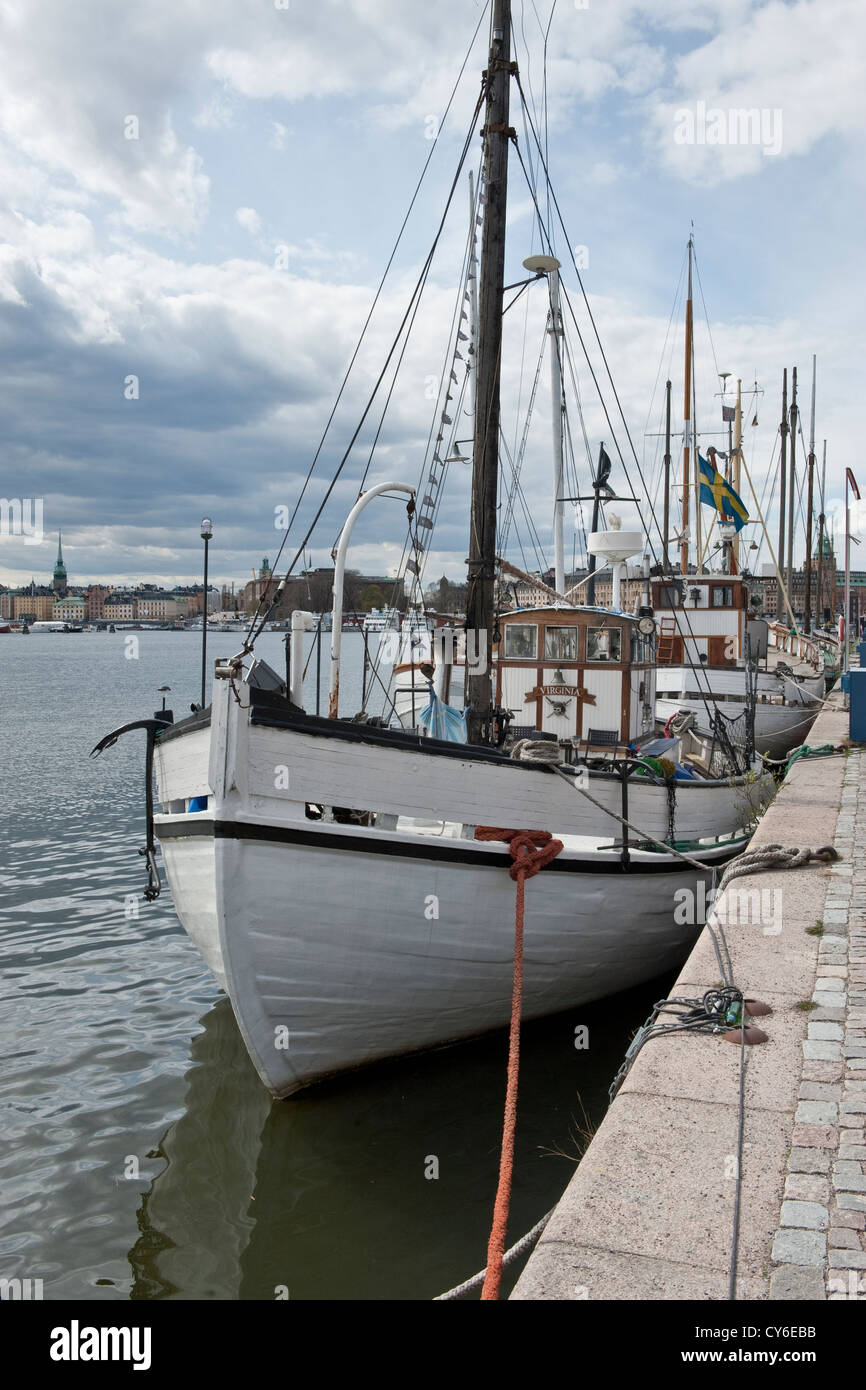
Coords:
pixel 140 1156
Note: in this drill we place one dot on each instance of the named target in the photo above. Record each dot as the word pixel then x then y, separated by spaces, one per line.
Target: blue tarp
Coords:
pixel 442 721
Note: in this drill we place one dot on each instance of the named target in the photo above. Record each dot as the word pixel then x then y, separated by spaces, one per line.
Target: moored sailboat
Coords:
pixel 331 871
pixel 714 650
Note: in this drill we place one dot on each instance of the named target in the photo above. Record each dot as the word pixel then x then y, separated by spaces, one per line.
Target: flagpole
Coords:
pixel 687 423
pixel 738 443
pixel 596 487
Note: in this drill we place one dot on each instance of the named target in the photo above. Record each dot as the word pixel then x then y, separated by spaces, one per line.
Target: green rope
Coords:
pixel 824 750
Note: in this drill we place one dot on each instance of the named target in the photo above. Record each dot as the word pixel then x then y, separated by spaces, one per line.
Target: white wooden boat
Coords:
pixel 333 883
pixel 330 870
pixel 707 635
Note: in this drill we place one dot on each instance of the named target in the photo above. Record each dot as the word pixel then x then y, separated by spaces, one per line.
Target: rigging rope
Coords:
pixel 254 632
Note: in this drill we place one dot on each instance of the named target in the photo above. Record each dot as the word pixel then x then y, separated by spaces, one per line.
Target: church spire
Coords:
pixel 60 578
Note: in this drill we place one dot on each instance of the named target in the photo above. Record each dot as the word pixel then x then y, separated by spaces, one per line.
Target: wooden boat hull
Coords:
pixel 341 944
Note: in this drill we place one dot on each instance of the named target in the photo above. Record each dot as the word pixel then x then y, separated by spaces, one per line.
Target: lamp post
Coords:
pixel 851 481
pixel 206 533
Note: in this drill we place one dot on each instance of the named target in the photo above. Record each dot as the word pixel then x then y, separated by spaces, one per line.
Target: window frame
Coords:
pixel 514 627
pixel 573 628
pixel 615 659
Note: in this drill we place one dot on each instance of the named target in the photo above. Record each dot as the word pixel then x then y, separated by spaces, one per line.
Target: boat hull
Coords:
pixel 337 951
pixel 784 711
pixel 342 944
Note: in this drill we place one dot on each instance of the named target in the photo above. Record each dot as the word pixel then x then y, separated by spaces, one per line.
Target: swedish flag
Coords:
pixel 715 492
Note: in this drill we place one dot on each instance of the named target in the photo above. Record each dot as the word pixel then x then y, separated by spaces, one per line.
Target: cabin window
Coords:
pixel 604 644
pixel 670 596
pixel 723 596
pixel 560 643
pixel 521 641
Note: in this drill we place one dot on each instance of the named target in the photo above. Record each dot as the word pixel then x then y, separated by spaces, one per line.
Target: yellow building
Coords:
pixel 35 605
pixel 70 610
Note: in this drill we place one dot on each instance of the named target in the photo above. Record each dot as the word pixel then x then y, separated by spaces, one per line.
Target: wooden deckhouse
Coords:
pixel 573 671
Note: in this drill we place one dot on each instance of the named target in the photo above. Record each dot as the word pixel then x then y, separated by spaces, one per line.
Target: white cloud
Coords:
pixel 249 219
pixel 804 61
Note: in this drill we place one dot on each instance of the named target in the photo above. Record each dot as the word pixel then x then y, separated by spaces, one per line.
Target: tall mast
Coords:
pixel 735 455
pixel 473 298
pixel 807 600
pixel 783 482
pixel 792 476
pixel 667 511
pixel 687 430
pixel 819 606
pixel 556 390
pixel 485 459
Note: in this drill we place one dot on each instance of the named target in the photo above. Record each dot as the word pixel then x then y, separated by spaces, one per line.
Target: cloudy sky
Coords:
pixel 203 194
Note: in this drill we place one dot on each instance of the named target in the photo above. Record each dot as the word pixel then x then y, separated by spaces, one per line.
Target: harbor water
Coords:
pixel 140 1156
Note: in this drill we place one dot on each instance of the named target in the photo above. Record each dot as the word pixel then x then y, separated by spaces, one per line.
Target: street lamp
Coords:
pixel 852 482
pixel 849 480
pixel 206 534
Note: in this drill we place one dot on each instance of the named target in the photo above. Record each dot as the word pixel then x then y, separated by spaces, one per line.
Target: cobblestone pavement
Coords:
pixel 820 1245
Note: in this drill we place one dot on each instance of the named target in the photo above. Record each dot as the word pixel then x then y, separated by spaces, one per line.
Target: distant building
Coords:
pixel 70 609
pixel 155 605
pixel 59 583
pixel 827 596
pixel 35 603
pixel 255 589
pixel 119 607
pixel 96 596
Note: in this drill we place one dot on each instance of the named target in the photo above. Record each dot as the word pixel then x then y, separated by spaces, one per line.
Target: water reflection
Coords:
pixel 325 1195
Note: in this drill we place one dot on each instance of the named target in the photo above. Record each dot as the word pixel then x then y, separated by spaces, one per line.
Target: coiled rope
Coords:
pixel 529 750
pixel 765 858
pixel 531 850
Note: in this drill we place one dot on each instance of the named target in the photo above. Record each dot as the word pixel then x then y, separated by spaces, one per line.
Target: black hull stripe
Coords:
pixel 450 854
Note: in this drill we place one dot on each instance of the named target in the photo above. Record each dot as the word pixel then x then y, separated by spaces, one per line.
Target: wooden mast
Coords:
pixel 485 460
pixel 687 430
pixel 807 600
pixel 821 520
pixel 792 479
pixel 667 512
pixel 783 483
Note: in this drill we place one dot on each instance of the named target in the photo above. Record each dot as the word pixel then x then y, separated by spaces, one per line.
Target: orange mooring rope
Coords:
pixel 530 850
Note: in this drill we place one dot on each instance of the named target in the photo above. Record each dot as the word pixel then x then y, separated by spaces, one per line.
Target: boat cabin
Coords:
pixel 702 619
pixel 576 672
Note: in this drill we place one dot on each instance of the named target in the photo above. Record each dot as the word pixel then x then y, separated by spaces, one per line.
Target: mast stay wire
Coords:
pixel 253 632
pixel 700 674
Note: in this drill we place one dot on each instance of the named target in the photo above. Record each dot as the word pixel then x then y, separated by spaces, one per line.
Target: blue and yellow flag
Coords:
pixel 715 492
